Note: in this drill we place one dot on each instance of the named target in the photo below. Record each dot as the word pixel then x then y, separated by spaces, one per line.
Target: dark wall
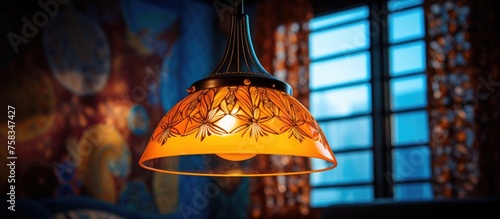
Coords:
pixel 88 81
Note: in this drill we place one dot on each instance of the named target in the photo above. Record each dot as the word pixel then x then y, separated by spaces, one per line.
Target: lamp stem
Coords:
pixel 239 65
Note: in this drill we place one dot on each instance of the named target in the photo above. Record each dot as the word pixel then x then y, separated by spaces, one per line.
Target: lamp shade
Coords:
pixel 235 120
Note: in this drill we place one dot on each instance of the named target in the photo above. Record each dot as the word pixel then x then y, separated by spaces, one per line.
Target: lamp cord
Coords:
pixel 239 7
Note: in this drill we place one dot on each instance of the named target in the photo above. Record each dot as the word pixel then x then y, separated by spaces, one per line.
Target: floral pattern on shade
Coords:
pixel 255 111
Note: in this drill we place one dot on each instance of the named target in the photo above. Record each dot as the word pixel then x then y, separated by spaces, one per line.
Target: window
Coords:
pixel 366 77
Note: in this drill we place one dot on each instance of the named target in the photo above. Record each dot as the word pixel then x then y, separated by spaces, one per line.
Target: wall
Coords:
pixel 88 81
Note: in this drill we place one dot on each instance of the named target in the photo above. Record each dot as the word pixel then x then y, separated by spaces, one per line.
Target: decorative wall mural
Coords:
pixel 171 91
pixel 138 120
pixel 165 188
pixel 114 113
pixel 105 161
pixel 86 87
pixel 135 195
pixel 77 50
pixel 70 182
pixel 154 30
pixel 32 94
pixel 87 213
pixel 76 113
pixel 148 22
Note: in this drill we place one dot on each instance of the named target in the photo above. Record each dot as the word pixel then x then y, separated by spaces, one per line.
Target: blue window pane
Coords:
pixel 413 191
pixel 348 133
pixel 411 163
pixel 341 102
pixel 410 128
pixel 323 197
pixel 407 58
pixel 353 167
pixel 345 69
pixel 339 40
pixel 406 25
pixel 339 18
pixel 408 92
pixel 394 5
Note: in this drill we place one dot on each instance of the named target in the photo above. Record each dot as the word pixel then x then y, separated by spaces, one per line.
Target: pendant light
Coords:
pixel 236 120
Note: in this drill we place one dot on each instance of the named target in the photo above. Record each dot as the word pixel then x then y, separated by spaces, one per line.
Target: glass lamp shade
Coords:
pixel 231 126
pixel 236 120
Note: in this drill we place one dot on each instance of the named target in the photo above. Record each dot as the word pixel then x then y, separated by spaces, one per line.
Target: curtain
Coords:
pixel 451 109
pixel 463 77
pixel 281 43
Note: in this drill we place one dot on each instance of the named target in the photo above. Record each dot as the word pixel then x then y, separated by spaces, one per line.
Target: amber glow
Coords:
pixel 228 122
pixel 235 156
pixel 236 123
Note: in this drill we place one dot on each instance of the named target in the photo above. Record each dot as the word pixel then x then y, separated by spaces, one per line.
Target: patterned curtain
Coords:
pixel 463 105
pixel 451 106
pixel 281 43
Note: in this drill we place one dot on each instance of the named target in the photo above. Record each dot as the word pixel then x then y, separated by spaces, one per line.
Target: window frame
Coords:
pixel 380 81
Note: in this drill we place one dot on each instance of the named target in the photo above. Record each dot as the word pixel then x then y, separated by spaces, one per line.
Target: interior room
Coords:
pixel 249 108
